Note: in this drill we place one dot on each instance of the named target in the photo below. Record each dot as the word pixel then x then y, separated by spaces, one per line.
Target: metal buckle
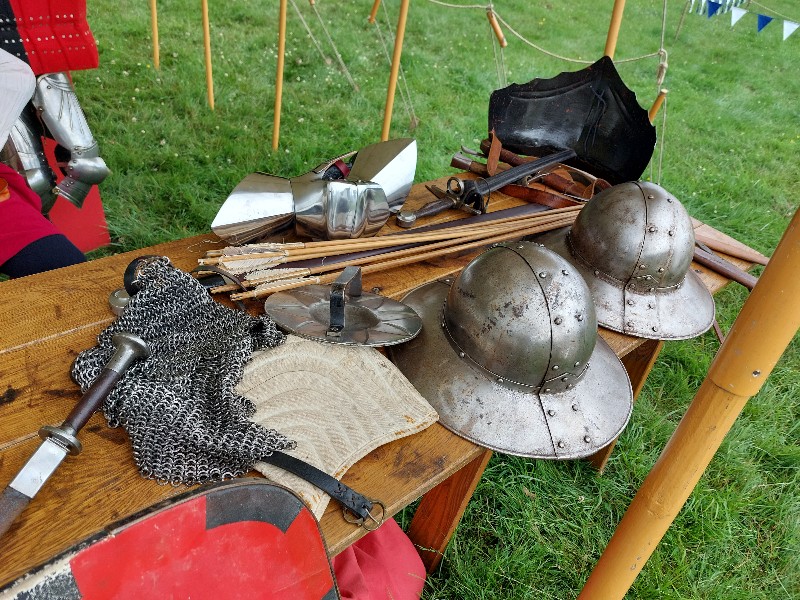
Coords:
pixel 369 523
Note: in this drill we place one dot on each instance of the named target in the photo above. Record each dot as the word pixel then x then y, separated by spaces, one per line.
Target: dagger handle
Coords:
pixel 12 503
pixel 129 348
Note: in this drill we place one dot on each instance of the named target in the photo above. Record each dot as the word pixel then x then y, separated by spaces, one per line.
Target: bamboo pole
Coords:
pixel 207 47
pixel 374 12
pixel 613 28
pixel 276 127
pixel 662 95
pixel 398 51
pixel 154 28
pixel 766 324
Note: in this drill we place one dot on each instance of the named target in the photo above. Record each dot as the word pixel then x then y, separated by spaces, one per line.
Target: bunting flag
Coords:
pixel 713 7
pixel 789 28
pixel 763 21
pixel 736 14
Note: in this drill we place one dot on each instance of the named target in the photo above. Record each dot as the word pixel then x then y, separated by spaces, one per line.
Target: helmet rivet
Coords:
pixel 499 380
pixel 555 367
pixel 661 269
pixel 577 363
pixel 596 273
pixel 587 439
pixel 558 320
pixel 569 385
pixel 642 266
pixel 650 196
pixel 652 289
pixel 651 305
pixel 629 324
pixel 631 286
pixel 564 272
pixel 669 199
pixel 546 389
pixel 579 316
pixel 672 232
pixel 651 229
pixel 551 412
pixel 565 379
pixel 520 247
pixel 655 328
pixel 631 302
pixel 542 274
pixel 560 444
pixel 462 354
pixel 575 407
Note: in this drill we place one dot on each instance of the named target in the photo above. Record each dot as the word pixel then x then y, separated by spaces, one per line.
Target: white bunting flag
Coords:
pixel 736 14
pixel 789 28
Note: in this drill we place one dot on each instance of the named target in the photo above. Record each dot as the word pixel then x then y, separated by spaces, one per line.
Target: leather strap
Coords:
pixel 538 196
pixel 357 509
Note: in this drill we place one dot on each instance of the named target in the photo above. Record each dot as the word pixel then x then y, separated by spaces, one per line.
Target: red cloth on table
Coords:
pixel 21 219
pixel 383 565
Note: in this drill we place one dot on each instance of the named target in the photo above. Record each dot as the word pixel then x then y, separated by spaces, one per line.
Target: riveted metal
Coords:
pixel 558 320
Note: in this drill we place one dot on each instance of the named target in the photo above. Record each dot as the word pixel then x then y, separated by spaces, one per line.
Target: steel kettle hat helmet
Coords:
pixel 510 358
pixel 633 243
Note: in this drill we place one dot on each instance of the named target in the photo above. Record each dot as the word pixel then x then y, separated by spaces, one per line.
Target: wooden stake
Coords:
pixel 276 128
pixel 154 28
pixel 207 45
pixel 374 12
pixel 766 324
pixel 398 51
pixel 613 28
pixel 662 95
pixel 501 39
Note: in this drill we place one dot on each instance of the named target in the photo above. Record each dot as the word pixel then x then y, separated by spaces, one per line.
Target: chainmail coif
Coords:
pixel 178 406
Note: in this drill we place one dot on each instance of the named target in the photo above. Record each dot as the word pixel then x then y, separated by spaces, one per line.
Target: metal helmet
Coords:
pixel 510 358
pixel 633 243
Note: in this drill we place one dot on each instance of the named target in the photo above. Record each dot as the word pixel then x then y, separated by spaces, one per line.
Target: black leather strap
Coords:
pixel 358 509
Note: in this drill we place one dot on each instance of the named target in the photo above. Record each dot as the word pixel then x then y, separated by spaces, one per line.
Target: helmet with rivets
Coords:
pixel 634 244
pixel 510 357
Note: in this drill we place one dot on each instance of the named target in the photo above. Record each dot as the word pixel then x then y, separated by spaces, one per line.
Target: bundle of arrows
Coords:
pixel 261 269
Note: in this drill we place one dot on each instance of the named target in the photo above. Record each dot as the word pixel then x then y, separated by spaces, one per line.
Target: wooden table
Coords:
pixel 49 318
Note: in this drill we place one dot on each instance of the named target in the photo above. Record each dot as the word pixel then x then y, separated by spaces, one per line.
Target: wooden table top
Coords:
pixel 49 318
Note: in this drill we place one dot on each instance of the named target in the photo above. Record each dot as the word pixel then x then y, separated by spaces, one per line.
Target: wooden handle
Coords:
pixel 496 28
pixel 651 114
pixel 723 267
pixel 154 28
pixel 207 54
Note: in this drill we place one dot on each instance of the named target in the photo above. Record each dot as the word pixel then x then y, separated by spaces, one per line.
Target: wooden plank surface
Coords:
pixel 49 318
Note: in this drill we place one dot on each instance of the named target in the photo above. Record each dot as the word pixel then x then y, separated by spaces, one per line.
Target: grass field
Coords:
pixel 730 153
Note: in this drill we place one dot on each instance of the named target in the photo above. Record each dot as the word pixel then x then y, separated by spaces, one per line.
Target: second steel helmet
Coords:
pixel 633 243
pixel 510 358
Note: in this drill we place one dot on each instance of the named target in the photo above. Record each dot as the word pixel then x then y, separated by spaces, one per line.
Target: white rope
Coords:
pixel 774 12
pixel 335 49
pixel 310 34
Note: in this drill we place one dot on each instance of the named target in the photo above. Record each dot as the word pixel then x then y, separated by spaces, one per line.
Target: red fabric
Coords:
pixel 55 35
pixel 21 220
pixel 383 565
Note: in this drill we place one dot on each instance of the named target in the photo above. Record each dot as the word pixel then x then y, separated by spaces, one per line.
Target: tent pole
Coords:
pixel 613 29
pixel 766 324
pixel 276 127
pixel 398 50
pixel 207 47
pixel 154 28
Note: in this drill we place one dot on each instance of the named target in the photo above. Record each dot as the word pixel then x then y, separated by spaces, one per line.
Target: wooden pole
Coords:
pixel 613 29
pixel 766 324
pixel 398 51
pixel 276 128
pixel 207 45
pixel 374 12
pixel 662 95
pixel 154 28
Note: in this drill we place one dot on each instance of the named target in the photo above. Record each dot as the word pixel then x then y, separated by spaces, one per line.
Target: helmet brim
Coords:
pixel 677 314
pixel 567 425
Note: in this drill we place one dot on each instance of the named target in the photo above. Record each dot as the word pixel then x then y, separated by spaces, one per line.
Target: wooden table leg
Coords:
pixel 440 510
pixel 638 363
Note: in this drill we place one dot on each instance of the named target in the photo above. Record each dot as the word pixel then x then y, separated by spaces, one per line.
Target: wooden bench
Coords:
pixel 49 318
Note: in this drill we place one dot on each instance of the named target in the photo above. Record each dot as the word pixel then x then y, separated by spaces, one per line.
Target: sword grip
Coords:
pixel 91 400
pixel 12 503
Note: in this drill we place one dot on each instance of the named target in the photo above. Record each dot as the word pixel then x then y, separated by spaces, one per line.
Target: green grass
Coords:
pixel 534 529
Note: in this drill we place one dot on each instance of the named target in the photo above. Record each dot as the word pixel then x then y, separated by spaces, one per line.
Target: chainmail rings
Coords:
pixel 178 405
